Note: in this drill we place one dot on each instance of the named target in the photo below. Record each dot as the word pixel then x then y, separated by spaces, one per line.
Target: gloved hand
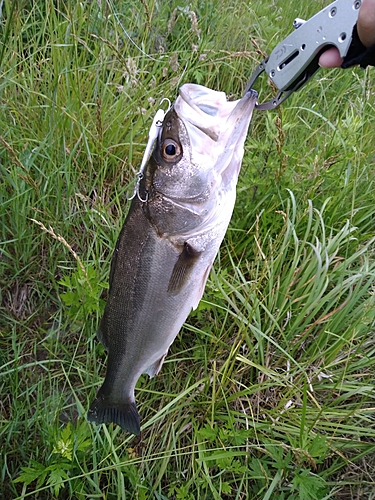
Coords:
pixel 362 49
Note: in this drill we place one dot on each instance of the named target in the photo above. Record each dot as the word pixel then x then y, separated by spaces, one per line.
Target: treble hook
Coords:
pixel 153 134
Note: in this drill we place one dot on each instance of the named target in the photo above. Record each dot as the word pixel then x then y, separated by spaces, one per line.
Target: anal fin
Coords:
pixel 155 368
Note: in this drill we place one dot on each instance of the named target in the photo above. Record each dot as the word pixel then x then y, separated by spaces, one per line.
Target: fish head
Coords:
pixel 200 147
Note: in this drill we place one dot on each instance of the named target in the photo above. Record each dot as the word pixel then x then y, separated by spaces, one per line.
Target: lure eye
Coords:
pixel 170 150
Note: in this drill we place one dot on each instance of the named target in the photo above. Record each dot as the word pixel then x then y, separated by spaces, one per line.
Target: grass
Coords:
pixel 268 392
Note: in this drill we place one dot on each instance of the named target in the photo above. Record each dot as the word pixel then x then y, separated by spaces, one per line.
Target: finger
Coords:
pixel 366 23
pixel 330 58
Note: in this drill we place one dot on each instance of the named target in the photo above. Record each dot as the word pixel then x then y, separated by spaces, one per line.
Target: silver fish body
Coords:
pixel 169 241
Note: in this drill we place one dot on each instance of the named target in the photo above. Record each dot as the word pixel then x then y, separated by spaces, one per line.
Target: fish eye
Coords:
pixel 170 149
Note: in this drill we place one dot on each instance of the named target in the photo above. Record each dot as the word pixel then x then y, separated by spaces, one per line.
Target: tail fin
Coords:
pixel 124 414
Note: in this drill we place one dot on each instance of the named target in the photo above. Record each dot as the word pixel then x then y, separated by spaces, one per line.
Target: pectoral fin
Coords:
pixel 182 269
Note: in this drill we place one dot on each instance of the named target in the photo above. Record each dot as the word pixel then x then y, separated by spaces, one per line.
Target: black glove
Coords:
pixel 358 53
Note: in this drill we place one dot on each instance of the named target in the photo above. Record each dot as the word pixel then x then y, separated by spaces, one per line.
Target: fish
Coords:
pixel 169 241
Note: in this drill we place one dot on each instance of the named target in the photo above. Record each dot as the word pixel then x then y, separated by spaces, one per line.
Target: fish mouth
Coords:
pixel 208 115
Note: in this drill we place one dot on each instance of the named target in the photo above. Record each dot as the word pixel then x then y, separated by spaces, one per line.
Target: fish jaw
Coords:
pixel 217 128
pixel 212 132
pixel 204 108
